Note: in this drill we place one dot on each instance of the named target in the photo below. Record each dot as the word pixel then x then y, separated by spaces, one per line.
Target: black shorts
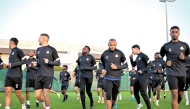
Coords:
pixel 150 86
pixel 15 82
pixel 156 83
pixel 176 82
pixel 111 88
pixel 187 84
pixel 100 84
pixel 77 84
pixel 131 83
pixel 64 87
pixel 30 83
pixel 43 82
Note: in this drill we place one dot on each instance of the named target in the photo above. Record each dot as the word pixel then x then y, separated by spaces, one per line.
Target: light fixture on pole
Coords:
pixel 165 1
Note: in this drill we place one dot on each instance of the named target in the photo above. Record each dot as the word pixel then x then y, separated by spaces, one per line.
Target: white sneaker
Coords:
pixel 23 107
pixel 157 104
pixel 0 104
pixel 154 98
pixel 187 103
pixel 120 97
pixel 139 106
pixel 102 101
pixel 58 94
pixel 99 100
pixel 150 99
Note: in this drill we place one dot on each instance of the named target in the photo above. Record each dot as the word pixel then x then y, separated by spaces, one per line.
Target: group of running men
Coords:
pixel 112 62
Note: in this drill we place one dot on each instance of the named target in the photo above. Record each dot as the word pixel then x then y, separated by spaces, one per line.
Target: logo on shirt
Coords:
pixel 139 58
pixel 154 65
pixel 13 53
pixel 38 52
pixel 160 65
pixel 189 55
pixel 80 59
pixel 116 55
pixel 106 57
pixel 181 48
pixel 16 86
pixel 65 74
pixel 87 59
pixel 170 50
pixel 47 52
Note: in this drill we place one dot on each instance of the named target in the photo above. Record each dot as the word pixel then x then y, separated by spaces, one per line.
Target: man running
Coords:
pixel 100 84
pixel 158 70
pixel 64 78
pixel 47 58
pixel 187 81
pixel 132 77
pixel 77 81
pixel 143 64
pixel 113 61
pixel 31 72
pixel 14 74
pixel 176 52
pixel 86 64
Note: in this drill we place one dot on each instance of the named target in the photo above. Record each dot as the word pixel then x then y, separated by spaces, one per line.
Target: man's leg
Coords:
pixel 21 98
pixel 174 94
pixel 143 86
pixel 158 95
pixel 54 92
pixel 108 91
pixel 8 91
pixel 181 85
pixel 28 97
pixel 98 92
pixel 186 91
pixel 136 93
pixel 88 91
pixel 82 91
pixel 46 97
pixel 77 92
pixel 149 91
pixel 102 95
pixel 38 96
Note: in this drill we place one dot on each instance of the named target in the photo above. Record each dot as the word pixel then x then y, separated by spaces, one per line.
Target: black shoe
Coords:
pixel 27 106
pixel 66 97
pixel 164 97
pixel 91 104
pixel 37 104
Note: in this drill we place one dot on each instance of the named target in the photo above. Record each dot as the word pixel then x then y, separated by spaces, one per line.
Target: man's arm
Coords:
pixel 55 78
pixel 187 53
pixel 102 61
pixel 21 55
pixel 148 61
pixel 68 76
pixel 94 66
pixel 124 61
pixel 162 52
pixel 56 59
pixel 133 63
pixel 60 76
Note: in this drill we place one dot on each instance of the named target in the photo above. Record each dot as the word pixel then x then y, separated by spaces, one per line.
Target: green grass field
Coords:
pixel 73 103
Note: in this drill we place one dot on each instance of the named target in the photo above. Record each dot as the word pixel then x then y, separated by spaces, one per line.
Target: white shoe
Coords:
pixel 99 100
pixel 120 97
pixel 150 99
pixel 139 106
pixel 58 94
pixel 102 101
pixel 24 107
pixel 157 104
pixel 187 103
pixel 0 104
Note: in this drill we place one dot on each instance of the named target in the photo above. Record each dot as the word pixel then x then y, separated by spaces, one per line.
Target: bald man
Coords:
pixel 47 57
pixel 111 60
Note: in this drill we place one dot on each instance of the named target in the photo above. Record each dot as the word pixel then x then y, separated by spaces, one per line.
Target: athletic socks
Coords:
pixel 23 106
pixel 7 107
pixel 186 97
pixel 99 97
pixel 37 101
pixel 28 102
pixel 132 96
pixel 157 101
pixel 48 107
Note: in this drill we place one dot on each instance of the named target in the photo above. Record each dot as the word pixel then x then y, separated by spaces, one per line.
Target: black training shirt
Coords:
pixel 116 57
pixel 49 53
pixel 17 59
pixel 87 64
pixel 64 78
pixel 31 71
pixel 157 65
pixel 132 74
pixel 172 51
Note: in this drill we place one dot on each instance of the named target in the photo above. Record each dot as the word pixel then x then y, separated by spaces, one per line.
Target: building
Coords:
pixel 68 53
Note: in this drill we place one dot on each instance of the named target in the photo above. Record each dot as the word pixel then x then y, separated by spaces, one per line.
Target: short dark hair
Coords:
pixel 157 53
pixel 33 51
pixel 65 66
pixel 88 47
pixel 174 27
pixel 136 46
pixel 15 40
pixel 44 34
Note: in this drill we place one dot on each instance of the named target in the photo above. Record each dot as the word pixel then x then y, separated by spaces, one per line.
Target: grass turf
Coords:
pixel 73 103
